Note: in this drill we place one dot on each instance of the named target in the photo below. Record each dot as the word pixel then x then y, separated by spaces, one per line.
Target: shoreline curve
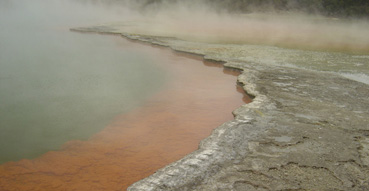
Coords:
pixel 304 130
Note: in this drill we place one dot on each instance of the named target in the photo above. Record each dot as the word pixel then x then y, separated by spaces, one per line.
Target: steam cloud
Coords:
pixel 213 22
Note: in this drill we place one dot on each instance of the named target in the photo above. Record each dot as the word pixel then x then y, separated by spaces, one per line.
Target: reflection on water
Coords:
pixel 167 127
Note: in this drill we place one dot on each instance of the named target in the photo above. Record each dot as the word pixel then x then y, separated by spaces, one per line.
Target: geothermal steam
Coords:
pixel 198 22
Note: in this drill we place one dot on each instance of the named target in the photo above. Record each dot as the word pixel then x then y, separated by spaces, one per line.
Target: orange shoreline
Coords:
pixel 167 127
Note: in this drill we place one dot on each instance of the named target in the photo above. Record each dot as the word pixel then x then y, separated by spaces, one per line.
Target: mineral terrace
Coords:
pixel 304 130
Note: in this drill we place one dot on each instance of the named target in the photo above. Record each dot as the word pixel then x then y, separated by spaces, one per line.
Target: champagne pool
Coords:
pixel 56 85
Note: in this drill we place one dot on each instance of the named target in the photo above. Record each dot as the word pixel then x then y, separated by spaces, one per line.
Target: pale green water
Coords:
pixel 56 85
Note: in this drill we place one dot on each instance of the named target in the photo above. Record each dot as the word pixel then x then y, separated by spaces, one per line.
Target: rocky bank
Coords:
pixel 304 130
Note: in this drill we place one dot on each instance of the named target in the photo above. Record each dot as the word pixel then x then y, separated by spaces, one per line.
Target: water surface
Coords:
pixel 169 125
pixel 97 112
pixel 56 85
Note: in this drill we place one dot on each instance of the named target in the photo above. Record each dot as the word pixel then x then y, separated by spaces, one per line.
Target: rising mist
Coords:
pixel 215 22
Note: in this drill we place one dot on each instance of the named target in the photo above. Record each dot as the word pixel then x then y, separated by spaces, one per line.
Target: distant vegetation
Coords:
pixel 334 8
pixel 345 8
